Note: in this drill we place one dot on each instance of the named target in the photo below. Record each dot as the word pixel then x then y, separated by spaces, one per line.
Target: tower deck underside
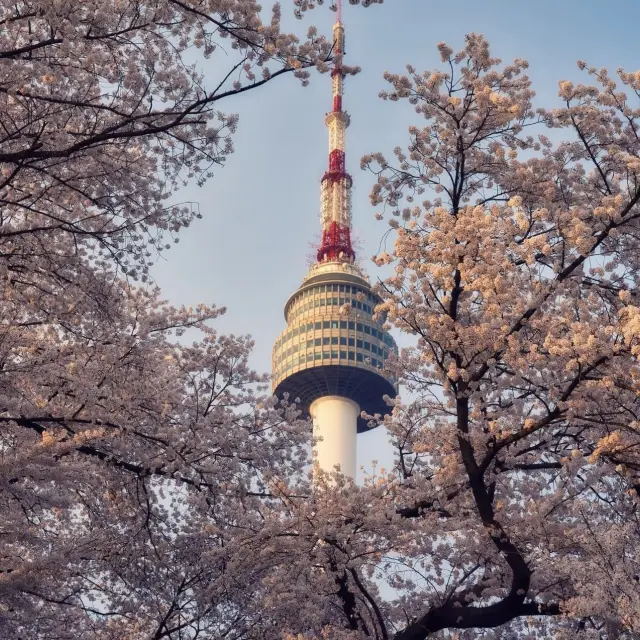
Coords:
pixel 364 387
pixel 332 344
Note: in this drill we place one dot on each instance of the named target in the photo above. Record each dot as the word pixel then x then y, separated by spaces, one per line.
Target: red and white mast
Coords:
pixel 335 212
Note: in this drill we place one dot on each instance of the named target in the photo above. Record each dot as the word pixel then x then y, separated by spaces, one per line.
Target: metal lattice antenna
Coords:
pixel 336 183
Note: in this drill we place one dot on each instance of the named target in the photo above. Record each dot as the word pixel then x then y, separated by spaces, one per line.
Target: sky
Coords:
pixel 260 211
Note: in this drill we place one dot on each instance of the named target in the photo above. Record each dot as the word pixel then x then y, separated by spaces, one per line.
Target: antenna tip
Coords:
pixel 337 7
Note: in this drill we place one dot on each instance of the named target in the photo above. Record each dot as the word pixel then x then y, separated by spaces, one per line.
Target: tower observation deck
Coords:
pixel 332 354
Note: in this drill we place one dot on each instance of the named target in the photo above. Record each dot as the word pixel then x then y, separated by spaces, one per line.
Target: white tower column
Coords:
pixel 335 420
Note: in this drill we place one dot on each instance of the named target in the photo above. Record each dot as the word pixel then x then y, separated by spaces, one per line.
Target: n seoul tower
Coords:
pixel 332 353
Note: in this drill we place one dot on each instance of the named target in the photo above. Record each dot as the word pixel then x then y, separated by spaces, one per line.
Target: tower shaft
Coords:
pixel 335 420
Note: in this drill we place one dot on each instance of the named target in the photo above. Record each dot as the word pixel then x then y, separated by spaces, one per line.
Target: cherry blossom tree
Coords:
pixel 516 267
pixel 128 458
pixel 511 510
pixel 125 458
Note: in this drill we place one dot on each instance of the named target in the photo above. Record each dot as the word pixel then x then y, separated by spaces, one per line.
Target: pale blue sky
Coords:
pixel 249 252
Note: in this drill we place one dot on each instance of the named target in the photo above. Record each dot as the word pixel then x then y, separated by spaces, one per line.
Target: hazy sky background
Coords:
pixel 250 250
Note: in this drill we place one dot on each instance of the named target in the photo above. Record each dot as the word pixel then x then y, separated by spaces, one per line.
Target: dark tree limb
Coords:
pixel 457 617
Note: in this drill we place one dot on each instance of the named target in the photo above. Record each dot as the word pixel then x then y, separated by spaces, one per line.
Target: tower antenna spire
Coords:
pixel 335 210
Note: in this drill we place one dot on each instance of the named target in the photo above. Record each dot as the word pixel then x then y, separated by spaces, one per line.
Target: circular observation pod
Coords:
pixel 332 346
